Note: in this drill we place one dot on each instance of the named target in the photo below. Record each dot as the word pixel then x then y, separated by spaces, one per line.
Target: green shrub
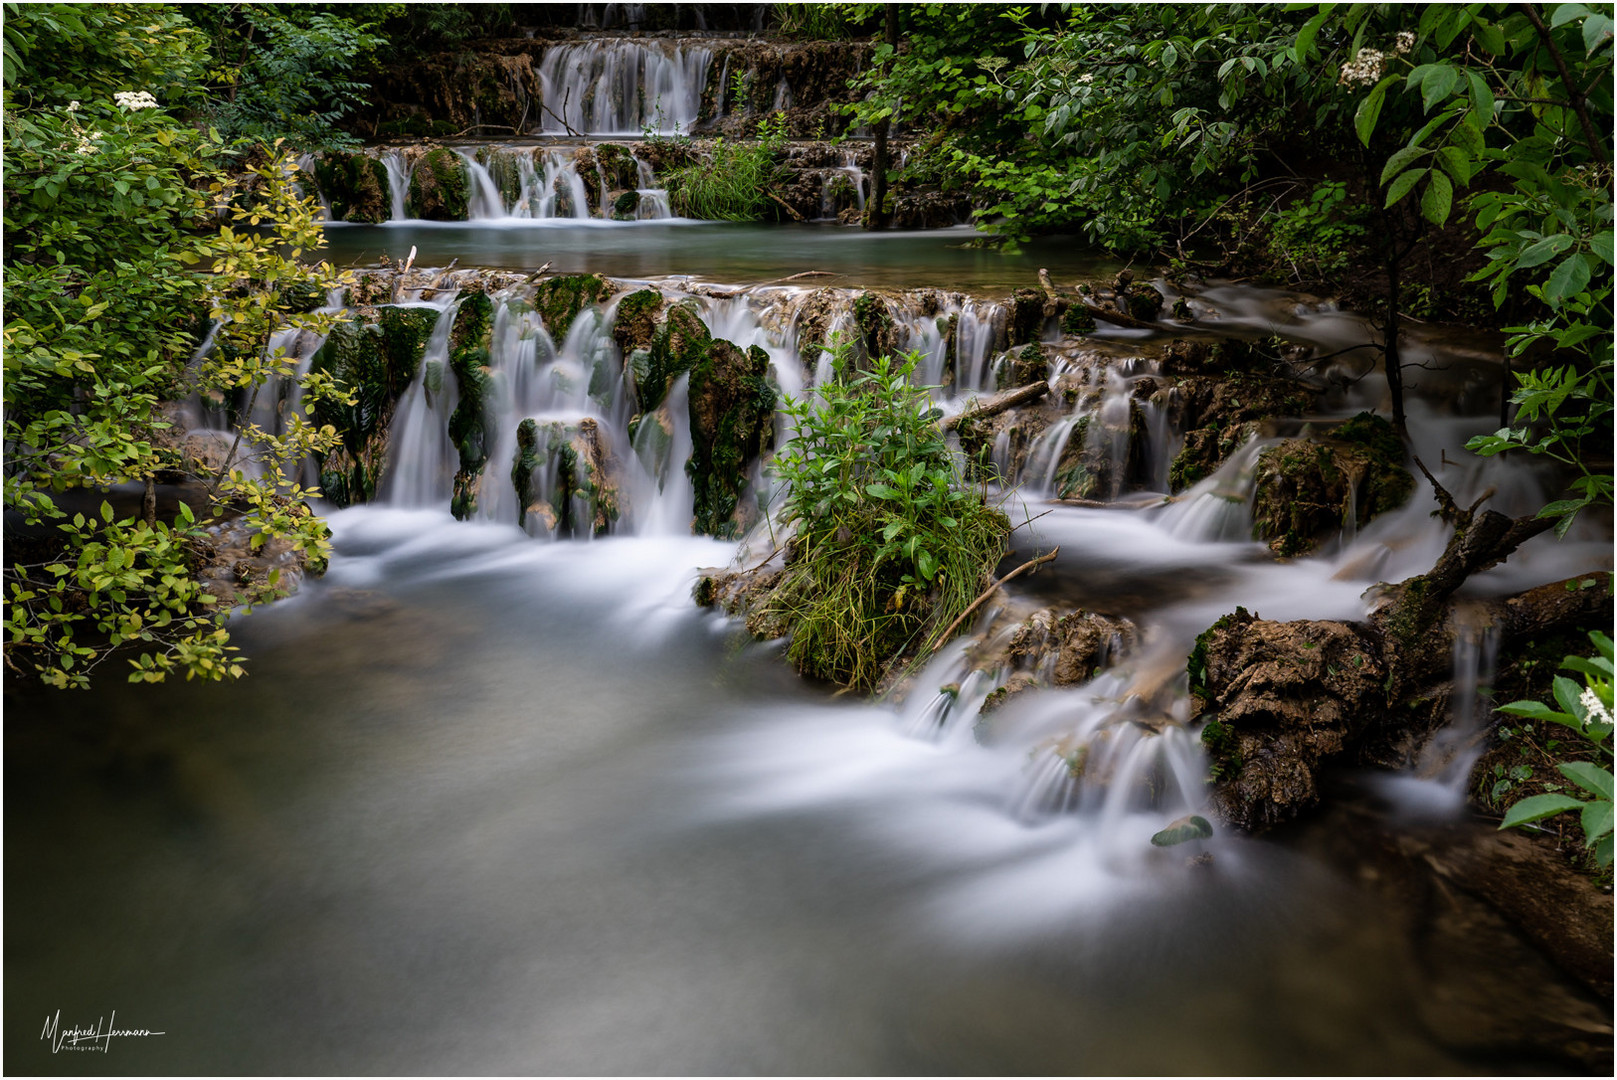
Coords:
pixel 890 545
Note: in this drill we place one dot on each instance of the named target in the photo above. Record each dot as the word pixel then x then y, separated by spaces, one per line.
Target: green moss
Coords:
pixel 732 408
pixel 635 322
pixel 626 207
pixel 438 187
pixel 1076 320
pixel 1027 365
pixel 874 325
pixel 469 342
pixel 355 187
pixel 1306 490
pixel 617 166
pixel 560 299
pixel 679 344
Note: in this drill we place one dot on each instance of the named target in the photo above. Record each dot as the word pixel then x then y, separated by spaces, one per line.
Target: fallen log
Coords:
pixel 995 405
pixel 1117 318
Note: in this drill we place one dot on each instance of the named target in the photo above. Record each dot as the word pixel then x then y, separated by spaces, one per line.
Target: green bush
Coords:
pixel 890 543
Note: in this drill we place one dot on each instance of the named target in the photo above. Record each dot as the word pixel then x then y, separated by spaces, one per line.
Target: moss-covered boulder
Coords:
pixel 732 409
pixel 677 346
pixel 438 187
pixel 469 424
pixel 564 479
pixel 876 332
pixel 1219 413
pixel 560 299
pixel 1107 453
pixel 634 324
pixel 374 362
pixel 625 205
pixel 1026 365
pixel 355 187
pixel 1310 488
pixel 1279 701
pixel 1076 320
pixel 616 166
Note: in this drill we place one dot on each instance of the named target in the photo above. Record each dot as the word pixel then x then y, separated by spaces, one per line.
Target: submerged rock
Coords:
pixel 1308 489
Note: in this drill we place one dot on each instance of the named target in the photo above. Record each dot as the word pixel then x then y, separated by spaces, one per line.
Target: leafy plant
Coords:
pixel 1587 711
pixel 890 543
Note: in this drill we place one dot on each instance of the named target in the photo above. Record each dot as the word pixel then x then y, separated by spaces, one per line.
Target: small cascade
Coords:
pixel 423 459
pixel 980 324
pixel 398 183
pixel 1218 508
pixel 622 87
pixel 483 199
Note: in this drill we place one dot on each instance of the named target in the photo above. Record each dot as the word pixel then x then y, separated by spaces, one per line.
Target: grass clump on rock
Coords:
pixel 890 544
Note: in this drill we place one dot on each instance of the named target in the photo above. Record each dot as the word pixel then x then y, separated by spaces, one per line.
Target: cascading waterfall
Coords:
pixel 622 87
pixel 423 459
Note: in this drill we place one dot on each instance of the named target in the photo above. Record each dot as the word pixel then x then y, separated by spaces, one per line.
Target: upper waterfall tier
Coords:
pixel 598 85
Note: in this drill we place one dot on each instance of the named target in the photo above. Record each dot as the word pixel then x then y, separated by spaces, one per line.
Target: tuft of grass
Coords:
pixel 891 544
pixel 733 185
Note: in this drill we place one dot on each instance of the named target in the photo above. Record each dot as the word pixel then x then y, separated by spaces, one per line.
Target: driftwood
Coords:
pixel 1115 317
pixel 990 591
pixel 995 405
pixel 790 209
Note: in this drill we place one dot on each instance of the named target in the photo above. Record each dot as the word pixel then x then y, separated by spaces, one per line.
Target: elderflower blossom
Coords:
pixel 134 100
pixel 73 106
pixel 1403 41
pixel 1597 713
pixel 1086 77
pixel 1363 69
pixel 85 146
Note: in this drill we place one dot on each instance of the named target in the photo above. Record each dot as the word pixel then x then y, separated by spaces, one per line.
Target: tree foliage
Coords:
pixel 129 230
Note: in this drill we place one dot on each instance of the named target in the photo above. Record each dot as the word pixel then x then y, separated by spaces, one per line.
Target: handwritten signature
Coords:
pixel 93 1040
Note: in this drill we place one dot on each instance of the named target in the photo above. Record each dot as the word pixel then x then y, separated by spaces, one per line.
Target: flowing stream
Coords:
pixel 491 803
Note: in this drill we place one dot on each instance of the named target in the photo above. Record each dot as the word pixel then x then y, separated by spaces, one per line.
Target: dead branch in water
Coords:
pixel 990 591
pixel 995 405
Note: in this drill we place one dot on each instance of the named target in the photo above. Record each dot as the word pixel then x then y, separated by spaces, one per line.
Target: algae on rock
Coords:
pixel 1308 489
pixel 469 424
pixel 732 409
pixel 438 187
pixel 355 187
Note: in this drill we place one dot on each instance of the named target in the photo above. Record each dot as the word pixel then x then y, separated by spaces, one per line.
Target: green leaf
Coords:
pixel 1183 830
pixel 881 491
pixel 1568 279
pixel 1364 120
pixel 1567 694
pixel 1596 821
pixel 1590 777
pixel 1565 13
pixel 1543 251
pixel 1401 160
pixel 1537 808
pixel 1600 244
pixel 1403 185
pixel 1481 95
pixel 1439 83
pixel 1305 36
pixel 1596 33
pixel 1438 200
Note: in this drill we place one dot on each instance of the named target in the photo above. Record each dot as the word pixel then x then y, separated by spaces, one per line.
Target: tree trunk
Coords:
pixel 877 217
pixel 1392 360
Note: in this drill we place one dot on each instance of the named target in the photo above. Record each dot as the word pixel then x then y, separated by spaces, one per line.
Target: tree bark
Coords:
pixel 877 217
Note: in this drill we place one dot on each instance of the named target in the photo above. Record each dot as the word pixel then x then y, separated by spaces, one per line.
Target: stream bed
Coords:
pixel 493 804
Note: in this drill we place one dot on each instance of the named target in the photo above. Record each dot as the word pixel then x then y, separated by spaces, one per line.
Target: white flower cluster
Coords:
pixel 1086 77
pixel 1597 713
pixel 85 145
pixel 1403 41
pixel 134 100
pixel 74 106
pixel 1363 69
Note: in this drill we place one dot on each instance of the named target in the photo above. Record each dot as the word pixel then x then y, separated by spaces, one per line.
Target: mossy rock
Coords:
pixel 1218 414
pixel 616 165
pixel 732 410
pixel 1144 303
pixel 1308 490
pixel 626 205
pixel 873 323
pixel 469 424
pixel 559 300
pixel 374 362
pixel 1026 323
pixel 1076 320
pixel 634 324
pixel 678 345
pixel 355 187
pixel 439 186
pixel 581 496
pixel 1026 365
pixel 505 169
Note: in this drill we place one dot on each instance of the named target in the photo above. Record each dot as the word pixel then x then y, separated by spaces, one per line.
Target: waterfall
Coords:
pixel 421 458
pixel 398 183
pixel 622 87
